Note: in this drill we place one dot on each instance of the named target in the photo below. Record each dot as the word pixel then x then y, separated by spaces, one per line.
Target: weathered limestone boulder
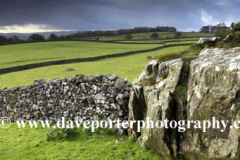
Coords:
pixel 214 91
pixel 237 26
pixel 228 38
pixel 202 40
pixel 208 40
pixel 151 67
pixel 157 103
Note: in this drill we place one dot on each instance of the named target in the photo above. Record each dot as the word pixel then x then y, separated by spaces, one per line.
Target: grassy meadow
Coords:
pixel 21 54
pixel 128 67
pixel 161 41
pixel 31 143
pixel 146 36
pixel 27 143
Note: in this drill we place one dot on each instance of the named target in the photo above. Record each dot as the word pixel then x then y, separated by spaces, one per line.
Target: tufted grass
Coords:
pixel 21 54
pixel 230 44
pixel 168 56
pixel 190 53
pixel 120 66
pixel 31 144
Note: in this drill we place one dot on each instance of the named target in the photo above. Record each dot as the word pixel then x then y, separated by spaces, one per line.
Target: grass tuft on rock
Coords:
pixel 169 56
pixel 181 91
pixel 233 43
pixel 149 81
pixel 189 54
pixel 186 56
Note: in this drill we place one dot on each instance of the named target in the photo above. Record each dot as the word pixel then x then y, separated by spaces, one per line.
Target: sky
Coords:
pixel 28 16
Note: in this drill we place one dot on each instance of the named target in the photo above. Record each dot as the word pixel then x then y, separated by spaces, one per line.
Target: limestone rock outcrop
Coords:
pixel 155 102
pixel 213 90
pixel 237 26
pixel 208 40
pixel 229 37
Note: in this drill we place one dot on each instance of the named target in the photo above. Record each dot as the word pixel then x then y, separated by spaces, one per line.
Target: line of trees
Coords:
pixel 54 37
pixel 213 29
pixel 13 39
pixel 122 31
pixel 156 35
pixel 36 38
pixel 33 38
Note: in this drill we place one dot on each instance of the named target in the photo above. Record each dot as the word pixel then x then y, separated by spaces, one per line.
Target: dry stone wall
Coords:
pixel 78 98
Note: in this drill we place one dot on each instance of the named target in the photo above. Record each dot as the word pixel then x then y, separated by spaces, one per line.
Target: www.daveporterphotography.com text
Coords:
pixel 181 125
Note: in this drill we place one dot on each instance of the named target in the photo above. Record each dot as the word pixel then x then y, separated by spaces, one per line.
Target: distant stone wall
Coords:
pixel 89 59
pixel 78 98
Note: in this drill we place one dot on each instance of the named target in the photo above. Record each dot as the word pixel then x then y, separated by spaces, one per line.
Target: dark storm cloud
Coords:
pixel 115 14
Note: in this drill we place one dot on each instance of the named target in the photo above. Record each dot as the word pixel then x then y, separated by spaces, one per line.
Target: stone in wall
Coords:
pixel 78 98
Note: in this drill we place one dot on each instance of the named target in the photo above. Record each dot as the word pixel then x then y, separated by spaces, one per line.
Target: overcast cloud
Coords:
pixel 48 15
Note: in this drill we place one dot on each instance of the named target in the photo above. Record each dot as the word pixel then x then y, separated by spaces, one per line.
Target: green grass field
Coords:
pixel 27 143
pixel 133 64
pixel 31 143
pixel 180 42
pixel 21 54
pixel 161 41
pixel 146 36
pixel 148 41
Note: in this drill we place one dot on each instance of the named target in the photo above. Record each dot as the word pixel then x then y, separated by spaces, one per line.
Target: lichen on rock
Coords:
pixel 157 103
pixel 211 89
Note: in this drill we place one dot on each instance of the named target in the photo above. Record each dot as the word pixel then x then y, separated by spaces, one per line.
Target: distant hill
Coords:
pixel 45 34
pixel 93 33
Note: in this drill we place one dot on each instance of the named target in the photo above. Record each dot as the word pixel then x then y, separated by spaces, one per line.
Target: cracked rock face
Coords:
pixel 213 90
pixel 156 103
